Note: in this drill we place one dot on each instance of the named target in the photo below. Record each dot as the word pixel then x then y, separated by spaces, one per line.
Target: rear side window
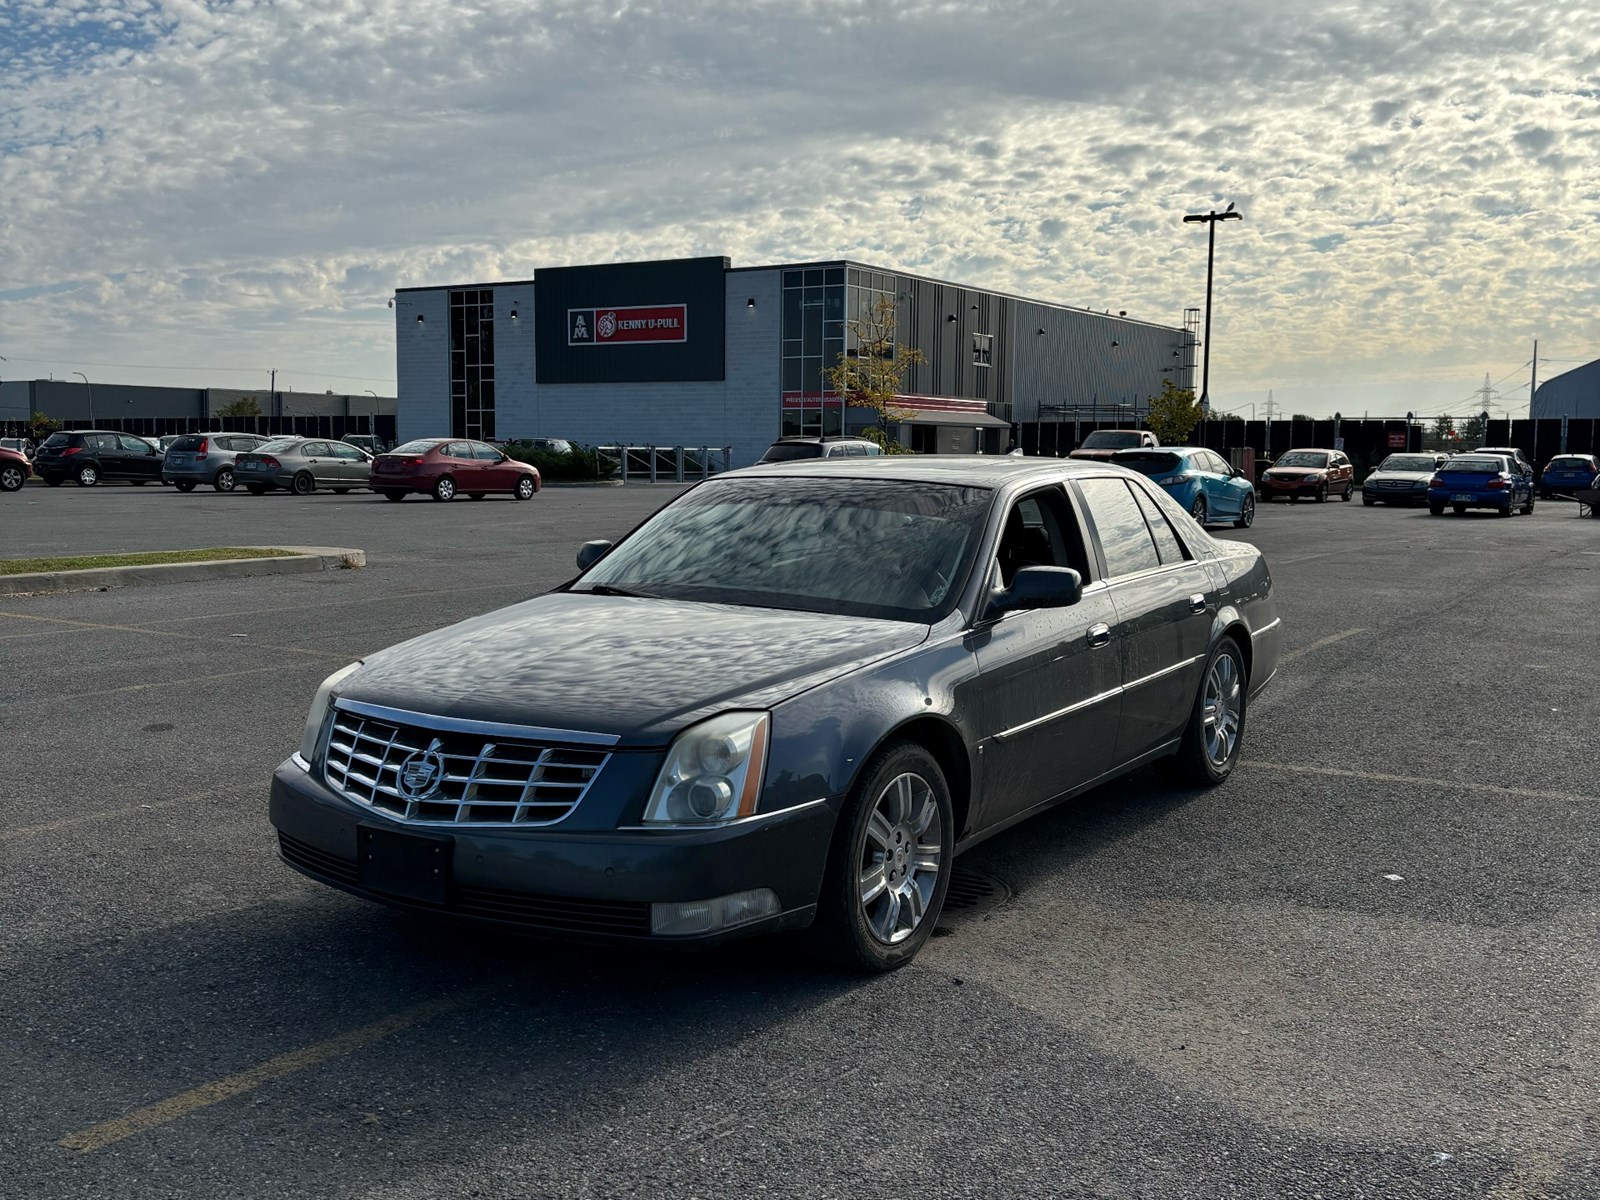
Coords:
pixel 1124 536
pixel 100 441
pixel 1167 543
pixel 58 439
pixel 794 450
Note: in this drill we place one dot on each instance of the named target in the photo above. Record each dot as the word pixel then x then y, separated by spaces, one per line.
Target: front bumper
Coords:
pixel 1291 487
pixel 1410 494
pixel 590 885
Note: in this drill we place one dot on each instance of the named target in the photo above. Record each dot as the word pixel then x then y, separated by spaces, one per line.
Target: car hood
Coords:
pixel 640 669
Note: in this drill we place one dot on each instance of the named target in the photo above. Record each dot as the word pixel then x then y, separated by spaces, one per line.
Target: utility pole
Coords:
pixel 1209 219
pixel 1533 383
pixel 1271 405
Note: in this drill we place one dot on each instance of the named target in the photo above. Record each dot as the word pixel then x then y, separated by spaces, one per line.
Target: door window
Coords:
pixel 315 450
pixel 347 453
pixel 1124 536
pixel 102 442
pixel 485 452
pixel 133 445
pixel 1167 543
pixel 1040 532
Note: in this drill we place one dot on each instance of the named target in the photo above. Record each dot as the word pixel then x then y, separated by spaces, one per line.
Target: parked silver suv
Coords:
pixel 197 458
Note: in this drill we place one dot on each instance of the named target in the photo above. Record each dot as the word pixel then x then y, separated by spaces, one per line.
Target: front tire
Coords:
pixel 88 476
pixel 890 864
pixel 1322 494
pixel 1368 501
pixel 1247 513
pixel 445 489
pixel 1349 494
pixel 1215 732
pixel 525 488
pixel 11 479
pixel 224 481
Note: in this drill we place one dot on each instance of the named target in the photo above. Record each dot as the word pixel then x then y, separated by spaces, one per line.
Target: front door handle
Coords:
pixel 1099 635
pixel 1197 603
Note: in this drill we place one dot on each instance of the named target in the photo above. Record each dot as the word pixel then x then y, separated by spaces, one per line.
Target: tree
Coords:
pixel 41 426
pixel 244 406
pixel 1444 428
pixel 1302 417
pixel 871 375
pixel 1473 431
pixel 1173 414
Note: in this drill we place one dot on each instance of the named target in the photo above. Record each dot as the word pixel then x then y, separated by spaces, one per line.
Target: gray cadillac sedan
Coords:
pixel 788 699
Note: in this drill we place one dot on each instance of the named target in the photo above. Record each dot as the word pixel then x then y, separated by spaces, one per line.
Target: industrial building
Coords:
pixel 697 352
pixel 1572 394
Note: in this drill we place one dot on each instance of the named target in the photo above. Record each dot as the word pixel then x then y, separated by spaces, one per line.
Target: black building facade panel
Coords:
pixel 632 322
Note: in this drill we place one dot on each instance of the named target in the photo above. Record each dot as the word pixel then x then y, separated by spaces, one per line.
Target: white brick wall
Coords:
pixel 742 411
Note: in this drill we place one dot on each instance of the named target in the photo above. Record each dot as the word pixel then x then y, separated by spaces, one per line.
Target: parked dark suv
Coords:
pixel 92 455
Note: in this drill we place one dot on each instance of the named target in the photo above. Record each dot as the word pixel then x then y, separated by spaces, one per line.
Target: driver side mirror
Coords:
pixel 592 552
pixel 1037 587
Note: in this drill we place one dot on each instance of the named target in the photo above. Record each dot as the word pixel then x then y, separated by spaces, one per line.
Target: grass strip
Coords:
pixel 88 562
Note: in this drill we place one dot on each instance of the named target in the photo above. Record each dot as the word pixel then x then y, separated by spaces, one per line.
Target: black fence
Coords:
pixel 1366 442
pixel 383 427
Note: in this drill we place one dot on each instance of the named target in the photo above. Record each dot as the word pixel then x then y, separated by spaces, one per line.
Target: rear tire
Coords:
pixel 1215 732
pixel 1368 501
pixel 304 484
pixel 445 488
pixel 1349 494
pixel 224 481
pixel 391 494
pixel 897 829
pixel 1436 510
pixel 256 489
pixel 185 486
pixel 1247 513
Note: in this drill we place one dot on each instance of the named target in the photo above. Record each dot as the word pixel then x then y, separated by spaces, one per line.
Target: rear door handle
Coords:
pixel 1099 635
pixel 1197 603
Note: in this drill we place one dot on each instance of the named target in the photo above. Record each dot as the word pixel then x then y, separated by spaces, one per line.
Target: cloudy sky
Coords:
pixel 195 192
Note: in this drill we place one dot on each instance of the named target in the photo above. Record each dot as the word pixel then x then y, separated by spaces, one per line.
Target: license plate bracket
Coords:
pixel 414 866
pixel 1462 498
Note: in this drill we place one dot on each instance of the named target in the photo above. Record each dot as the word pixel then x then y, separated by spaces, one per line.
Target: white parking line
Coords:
pixel 1467 785
pixel 1320 643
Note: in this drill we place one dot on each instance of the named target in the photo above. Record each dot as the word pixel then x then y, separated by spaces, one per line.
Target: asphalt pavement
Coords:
pixel 1366 966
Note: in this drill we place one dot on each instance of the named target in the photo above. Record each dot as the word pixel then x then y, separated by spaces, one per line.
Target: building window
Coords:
pixel 983 349
pixel 472 363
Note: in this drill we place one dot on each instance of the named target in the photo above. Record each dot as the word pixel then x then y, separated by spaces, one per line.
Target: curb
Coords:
pixel 296 560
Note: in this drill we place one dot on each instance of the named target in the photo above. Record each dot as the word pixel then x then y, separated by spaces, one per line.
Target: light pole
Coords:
pixel 90 390
pixel 1210 219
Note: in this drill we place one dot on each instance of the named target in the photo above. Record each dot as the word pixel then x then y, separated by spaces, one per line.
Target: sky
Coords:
pixel 196 193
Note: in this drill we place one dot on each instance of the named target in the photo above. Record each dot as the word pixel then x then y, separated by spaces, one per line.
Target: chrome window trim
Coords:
pixel 687 827
pixel 1060 712
pixel 487 729
pixel 1165 671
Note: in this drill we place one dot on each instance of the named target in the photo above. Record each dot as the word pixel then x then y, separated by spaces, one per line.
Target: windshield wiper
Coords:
pixel 608 589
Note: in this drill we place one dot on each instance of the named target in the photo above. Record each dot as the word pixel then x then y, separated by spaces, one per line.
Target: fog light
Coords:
pixel 707 916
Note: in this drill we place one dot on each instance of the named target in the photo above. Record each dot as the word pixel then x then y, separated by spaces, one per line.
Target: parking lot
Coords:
pixel 1366 966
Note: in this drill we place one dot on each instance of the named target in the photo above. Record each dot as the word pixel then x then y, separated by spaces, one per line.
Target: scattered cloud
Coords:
pixel 243 184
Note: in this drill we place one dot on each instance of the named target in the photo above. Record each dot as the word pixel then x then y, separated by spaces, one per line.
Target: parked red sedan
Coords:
pixel 445 467
pixel 14 469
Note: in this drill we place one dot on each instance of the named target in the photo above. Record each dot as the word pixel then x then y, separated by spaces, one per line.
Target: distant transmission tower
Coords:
pixel 1487 393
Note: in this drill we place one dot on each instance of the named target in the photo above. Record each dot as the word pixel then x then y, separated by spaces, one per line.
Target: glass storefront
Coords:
pixel 472 363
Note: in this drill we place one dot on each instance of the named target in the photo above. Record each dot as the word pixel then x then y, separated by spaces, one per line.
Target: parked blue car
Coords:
pixel 1567 473
pixel 1198 479
pixel 1480 481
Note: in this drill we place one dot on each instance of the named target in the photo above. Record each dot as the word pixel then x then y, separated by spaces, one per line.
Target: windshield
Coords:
pixel 1475 466
pixel 1111 439
pixel 1407 462
pixel 1302 458
pixel 1149 462
pixel 786 452
pixel 896 550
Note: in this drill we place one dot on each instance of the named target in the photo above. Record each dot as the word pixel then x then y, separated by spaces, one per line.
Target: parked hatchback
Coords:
pixel 1568 473
pixel 1198 479
pixel 302 465
pixel 1316 474
pixel 446 467
pixel 197 458
pixel 92 456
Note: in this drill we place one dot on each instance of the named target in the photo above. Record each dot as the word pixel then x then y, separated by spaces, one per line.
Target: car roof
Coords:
pixel 981 470
pixel 829 439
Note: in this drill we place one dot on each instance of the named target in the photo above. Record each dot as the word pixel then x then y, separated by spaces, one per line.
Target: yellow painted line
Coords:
pixel 1303 650
pixel 169 633
pixel 1466 785
pixel 163 1112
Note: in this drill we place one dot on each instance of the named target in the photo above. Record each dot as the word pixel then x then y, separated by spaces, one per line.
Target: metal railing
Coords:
pixel 662 464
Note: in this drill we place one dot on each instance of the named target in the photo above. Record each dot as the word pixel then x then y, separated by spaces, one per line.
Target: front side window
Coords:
pixel 893 550
pixel 1124 536
pixel 1040 532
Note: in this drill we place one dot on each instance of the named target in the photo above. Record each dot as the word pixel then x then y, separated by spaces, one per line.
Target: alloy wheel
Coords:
pixel 900 857
pixel 10 479
pixel 445 489
pixel 1247 513
pixel 525 488
pixel 88 477
pixel 1221 709
pixel 1198 509
pixel 224 480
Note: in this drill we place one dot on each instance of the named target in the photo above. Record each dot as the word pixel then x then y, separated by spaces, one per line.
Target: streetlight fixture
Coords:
pixel 1210 219
pixel 90 390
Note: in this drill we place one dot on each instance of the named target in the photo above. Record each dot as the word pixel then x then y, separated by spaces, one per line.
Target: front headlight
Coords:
pixel 713 772
pixel 319 712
